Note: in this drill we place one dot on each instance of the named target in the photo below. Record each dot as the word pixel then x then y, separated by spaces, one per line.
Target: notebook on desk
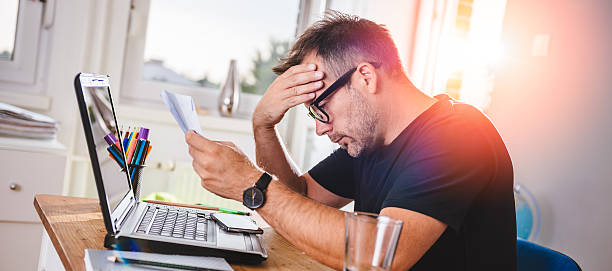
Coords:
pixel 141 226
pixel 98 260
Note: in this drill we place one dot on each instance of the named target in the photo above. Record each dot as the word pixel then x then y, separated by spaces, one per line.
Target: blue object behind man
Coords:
pixel 535 257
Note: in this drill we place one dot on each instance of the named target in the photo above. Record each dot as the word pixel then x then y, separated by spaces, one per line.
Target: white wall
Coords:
pixel 66 56
pixel 554 115
pixel 75 46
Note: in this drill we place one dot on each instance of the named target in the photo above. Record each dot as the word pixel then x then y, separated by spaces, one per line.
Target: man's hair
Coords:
pixel 342 41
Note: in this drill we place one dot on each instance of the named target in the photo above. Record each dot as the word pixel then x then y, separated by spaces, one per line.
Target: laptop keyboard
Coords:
pixel 175 222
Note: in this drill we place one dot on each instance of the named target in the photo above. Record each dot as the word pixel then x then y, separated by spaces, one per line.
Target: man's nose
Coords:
pixel 322 128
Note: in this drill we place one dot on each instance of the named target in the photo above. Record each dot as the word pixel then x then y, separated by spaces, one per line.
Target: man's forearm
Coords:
pixel 312 227
pixel 271 156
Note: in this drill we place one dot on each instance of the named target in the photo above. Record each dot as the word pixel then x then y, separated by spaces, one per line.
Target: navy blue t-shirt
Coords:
pixel 451 164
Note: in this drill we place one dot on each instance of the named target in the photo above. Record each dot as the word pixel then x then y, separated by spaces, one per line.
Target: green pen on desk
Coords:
pixel 197 206
pixel 224 210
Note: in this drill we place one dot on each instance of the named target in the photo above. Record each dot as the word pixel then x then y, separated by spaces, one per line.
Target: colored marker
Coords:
pixel 143 133
pixel 116 155
pixel 110 139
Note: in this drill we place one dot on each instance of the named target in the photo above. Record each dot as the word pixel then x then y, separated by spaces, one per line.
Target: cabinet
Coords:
pixel 27 167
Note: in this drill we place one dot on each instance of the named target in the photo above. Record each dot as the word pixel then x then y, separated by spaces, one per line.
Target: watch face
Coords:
pixel 253 198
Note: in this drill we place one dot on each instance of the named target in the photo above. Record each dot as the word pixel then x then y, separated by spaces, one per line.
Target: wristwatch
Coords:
pixel 255 197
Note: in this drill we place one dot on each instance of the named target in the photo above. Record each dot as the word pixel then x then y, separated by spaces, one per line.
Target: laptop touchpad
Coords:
pixel 233 240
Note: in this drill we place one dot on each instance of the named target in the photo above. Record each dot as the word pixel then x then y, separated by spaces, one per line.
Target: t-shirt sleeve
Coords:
pixel 336 173
pixel 444 173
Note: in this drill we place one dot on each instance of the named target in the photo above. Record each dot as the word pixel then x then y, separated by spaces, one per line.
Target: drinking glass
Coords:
pixel 370 241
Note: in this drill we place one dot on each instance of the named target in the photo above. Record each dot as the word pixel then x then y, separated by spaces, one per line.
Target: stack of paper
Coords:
pixel 15 121
pixel 183 110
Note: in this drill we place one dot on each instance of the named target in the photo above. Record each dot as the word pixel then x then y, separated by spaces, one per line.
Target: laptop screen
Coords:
pixel 98 101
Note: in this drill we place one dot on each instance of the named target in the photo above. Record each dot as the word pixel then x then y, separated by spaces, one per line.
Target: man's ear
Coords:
pixel 367 76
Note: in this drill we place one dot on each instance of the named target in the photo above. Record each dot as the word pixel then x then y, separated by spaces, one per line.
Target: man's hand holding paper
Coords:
pixel 212 159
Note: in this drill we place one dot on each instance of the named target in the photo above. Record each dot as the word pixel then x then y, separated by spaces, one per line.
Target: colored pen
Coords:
pixel 131 146
pixel 138 151
pixel 126 138
pixel 130 136
pixel 201 207
pixel 140 148
pixel 116 155
pixel 117 151
pixel 143 133
pixel 147 154
pixel 225 210
pixel 110 139
pixel 142 152
pixel 132 160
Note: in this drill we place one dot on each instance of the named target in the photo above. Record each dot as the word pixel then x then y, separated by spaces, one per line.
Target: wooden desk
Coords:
pixel 74 224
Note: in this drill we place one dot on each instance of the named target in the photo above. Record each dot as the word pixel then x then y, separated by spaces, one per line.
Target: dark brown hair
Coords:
pixel 342 41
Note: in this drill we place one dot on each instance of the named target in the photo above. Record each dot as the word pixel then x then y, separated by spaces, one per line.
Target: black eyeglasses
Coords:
pixel 314 110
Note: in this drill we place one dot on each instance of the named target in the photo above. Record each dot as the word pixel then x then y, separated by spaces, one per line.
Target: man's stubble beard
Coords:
pixel 363 118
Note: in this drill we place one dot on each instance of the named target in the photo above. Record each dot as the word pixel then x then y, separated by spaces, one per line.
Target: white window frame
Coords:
pixel 21 69
pixel 21 77
pixel 295 126
pixel 136 90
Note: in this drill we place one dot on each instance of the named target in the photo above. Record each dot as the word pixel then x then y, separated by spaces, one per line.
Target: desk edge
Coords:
pixel 50 232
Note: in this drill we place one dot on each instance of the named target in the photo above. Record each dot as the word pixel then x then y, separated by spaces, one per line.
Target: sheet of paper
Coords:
pixel 183 110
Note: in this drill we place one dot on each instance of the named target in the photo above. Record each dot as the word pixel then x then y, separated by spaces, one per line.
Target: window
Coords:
pixel 186 46
pixel 20 36
pixel 457 48
pixel 8 18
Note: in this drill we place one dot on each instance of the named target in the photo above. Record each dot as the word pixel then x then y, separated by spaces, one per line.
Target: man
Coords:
pixel 436 164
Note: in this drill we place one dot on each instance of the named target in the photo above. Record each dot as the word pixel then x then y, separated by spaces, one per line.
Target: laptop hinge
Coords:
pixel 110 241
pixel 126 214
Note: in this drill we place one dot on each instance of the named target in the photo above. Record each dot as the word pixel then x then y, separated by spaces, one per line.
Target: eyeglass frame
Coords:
pixel 340 82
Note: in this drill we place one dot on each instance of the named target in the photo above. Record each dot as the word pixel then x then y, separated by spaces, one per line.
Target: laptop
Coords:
pixel 140 226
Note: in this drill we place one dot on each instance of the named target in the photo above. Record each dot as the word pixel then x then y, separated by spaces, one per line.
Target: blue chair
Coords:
pixel 535 257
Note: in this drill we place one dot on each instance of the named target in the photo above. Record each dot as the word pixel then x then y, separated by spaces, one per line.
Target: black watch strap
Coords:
pixel 264 181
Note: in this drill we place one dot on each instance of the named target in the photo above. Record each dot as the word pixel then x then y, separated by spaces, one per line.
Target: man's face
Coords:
pixel 352 119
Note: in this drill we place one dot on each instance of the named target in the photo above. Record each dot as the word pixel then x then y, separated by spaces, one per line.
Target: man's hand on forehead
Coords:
pixel 317 94
pixel 295 86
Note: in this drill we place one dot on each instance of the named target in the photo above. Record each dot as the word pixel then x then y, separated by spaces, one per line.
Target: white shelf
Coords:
pixel 32 145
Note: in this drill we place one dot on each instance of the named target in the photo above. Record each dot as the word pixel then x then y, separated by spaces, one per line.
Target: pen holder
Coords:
pixel 135 177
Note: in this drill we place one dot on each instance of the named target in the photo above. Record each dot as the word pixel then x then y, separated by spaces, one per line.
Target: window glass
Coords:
pixel 191 42
pixel 8 25
pixel 472 50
